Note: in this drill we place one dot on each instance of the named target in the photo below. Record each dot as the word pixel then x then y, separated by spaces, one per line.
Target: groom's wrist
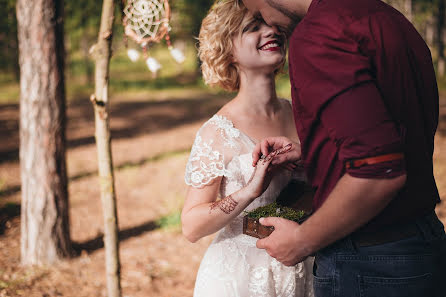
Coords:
pixel 309 238
pixel 304 243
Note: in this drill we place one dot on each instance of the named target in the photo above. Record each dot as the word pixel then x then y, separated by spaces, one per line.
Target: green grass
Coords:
pixel 125 76
pixel 9 89
pixel 128 78
pixel 170 222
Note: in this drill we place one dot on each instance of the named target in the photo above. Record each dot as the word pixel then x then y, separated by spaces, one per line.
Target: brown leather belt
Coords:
pixel 390 234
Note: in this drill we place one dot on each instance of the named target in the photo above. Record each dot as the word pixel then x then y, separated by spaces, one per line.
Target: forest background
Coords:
pixel 153 123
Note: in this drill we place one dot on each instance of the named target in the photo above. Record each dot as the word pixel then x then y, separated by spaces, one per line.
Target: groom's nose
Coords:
pixel 276 30
pixel 272 30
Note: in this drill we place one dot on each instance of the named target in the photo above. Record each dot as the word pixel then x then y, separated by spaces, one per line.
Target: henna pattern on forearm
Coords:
pixel 227 205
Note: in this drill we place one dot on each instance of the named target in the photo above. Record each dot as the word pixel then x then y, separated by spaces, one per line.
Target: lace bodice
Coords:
pixel 232 262
pixel 220 149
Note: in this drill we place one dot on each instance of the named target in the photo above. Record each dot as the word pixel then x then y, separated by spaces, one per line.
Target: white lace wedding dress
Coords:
pixel 233 266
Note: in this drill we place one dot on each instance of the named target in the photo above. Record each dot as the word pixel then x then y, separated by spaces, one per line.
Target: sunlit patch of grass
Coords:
pixel 170 222
pixel 9 88
pixel 127 77
pixel 16 281
pixel 441 81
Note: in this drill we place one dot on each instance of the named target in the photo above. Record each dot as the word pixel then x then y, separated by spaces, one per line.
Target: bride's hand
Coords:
pixel 260 179
pixel 271 144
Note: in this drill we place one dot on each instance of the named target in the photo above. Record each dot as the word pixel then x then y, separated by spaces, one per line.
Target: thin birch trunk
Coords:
pixel 45 232
pixel 102 55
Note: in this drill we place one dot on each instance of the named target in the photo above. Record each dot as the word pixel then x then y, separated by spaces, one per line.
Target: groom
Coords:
pixel 365 102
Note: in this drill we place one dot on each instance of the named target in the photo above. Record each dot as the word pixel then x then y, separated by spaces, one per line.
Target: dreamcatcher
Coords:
pixel 147 22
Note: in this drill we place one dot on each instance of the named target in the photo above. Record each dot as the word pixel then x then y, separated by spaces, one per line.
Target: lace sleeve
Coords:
pixel 214 146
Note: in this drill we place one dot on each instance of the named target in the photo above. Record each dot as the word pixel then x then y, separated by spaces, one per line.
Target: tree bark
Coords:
pixel 102 55
pixel 408 9
pixel 430 31
pixel 440 38
pixel 45 233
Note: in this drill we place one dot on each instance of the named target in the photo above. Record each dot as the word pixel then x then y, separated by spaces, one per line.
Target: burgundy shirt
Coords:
pixel 363 85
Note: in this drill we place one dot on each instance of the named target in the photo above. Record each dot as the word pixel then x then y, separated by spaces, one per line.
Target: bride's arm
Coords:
pixel 203 214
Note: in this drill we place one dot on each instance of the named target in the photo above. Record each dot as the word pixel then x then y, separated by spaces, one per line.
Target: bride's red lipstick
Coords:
pixel 265 47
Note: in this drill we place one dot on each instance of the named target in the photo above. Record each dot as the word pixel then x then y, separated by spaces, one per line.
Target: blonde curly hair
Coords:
pixel 225 20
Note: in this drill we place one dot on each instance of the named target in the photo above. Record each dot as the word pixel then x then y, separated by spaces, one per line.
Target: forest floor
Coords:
pixel 151 143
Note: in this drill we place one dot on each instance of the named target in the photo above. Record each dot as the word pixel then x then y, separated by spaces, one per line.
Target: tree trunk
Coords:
pixel 45 233
pixel 440 38
pixel 430 31
pixel 408 9
pixel 102 54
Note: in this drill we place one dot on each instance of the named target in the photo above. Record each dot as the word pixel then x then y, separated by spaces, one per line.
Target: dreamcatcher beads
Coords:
pixel 177 55
pixel 133 54
pixel 153 64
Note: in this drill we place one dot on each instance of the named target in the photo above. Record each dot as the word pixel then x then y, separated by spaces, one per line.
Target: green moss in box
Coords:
pixel 276 210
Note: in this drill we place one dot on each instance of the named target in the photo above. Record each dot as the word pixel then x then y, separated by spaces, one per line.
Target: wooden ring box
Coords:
pixel 252 227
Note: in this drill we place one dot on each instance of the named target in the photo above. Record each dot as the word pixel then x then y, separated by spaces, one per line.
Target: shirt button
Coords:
pixel 389 170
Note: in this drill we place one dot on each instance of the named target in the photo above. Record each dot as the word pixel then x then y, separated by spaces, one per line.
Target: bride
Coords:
pixel 239 53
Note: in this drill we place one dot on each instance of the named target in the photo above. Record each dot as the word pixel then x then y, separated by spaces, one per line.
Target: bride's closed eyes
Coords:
pixel 252 26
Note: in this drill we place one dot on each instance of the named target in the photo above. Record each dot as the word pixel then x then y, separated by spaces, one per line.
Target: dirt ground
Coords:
pixel 151 140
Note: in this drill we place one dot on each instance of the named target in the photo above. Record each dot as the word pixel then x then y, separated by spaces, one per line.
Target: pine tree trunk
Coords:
pixel 45 233
pixel 408 9
pixel 430 31
pixel 440 38
pixel 102 54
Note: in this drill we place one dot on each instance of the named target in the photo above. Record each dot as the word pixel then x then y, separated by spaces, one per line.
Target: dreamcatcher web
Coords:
pixel 145 22
pixel 144 18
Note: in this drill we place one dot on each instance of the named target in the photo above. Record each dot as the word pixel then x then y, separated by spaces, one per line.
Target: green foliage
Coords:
pixel 276 210
pixel 187 16
pixel 82 19
pixel 8 38
pixel 171 222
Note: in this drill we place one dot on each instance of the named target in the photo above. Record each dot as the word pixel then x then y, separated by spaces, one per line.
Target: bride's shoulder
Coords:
pixel 218 127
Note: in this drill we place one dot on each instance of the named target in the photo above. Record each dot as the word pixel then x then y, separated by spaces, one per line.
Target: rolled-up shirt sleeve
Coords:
pixel 361 127
pixel 334 86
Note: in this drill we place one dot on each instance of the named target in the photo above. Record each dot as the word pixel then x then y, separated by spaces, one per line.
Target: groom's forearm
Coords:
pixel 352 203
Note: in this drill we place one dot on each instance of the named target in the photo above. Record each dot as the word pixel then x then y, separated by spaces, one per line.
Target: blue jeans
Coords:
pixel 412 267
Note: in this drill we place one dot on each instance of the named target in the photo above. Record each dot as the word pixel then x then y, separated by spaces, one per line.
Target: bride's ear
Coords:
pixel 233 60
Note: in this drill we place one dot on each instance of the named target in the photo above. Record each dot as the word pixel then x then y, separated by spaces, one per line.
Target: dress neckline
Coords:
pixel 255 141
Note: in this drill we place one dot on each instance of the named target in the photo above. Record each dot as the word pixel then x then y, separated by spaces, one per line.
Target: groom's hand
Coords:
pixel 284 243
pixel 270 144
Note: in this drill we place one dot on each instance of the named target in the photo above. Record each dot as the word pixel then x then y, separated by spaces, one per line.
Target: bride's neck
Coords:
pixel 257 94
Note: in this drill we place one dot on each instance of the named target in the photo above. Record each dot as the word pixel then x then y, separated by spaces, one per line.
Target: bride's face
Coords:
pixel 259 47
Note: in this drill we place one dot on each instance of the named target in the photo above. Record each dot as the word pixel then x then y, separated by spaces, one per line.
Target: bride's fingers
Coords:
pixel 256 154
pixel 264 146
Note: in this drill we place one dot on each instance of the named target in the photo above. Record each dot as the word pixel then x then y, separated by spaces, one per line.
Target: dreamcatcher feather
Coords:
pixel 147 22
